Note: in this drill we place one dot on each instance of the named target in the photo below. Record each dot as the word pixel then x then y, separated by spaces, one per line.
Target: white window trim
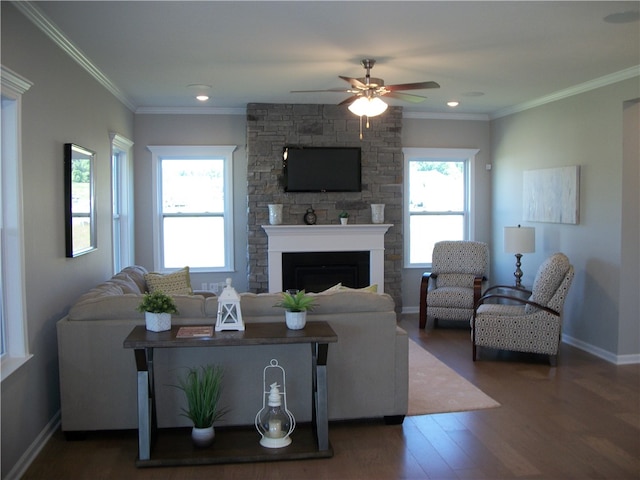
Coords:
pixel 468 155
pixel 120 144
pixel 160 152
pixel 13 269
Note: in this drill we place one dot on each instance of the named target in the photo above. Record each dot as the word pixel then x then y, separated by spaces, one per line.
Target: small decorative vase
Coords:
pixel 203 437
pixel 157 322
pixel 377 213
pixel 275 214
pixel 295 320
pixel 344 220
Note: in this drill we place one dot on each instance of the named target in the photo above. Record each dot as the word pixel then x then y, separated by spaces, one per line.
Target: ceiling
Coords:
pixel 490 56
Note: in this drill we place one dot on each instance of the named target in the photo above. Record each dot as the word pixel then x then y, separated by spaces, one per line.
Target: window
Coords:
pixel 437 207
pixel 193 198
pixel 14 345
pixel 122 201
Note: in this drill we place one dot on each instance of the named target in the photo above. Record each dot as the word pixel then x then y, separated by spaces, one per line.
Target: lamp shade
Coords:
pixel 368 107
pixel 519 239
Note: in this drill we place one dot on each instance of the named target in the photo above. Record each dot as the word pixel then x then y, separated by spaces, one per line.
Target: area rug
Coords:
pixel 436 388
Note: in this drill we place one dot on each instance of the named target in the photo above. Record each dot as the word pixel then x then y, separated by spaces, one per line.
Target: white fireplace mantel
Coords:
pixel 326 238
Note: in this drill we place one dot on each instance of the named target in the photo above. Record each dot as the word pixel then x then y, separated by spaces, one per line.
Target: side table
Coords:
pixel 310 442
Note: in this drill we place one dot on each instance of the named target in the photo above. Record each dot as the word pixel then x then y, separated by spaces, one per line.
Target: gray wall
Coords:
pixel 191 130
pixel 63 105
pixel 586 130
pixel 428 133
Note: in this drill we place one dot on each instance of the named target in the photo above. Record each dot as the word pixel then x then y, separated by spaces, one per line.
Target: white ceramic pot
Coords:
pixel 377 213
pixel 275 213
pixel 157 322
pixel 203 437
pixel 295 320
pixel 344 220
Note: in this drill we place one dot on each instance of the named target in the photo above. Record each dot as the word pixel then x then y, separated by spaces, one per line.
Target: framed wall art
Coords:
pixel 552 195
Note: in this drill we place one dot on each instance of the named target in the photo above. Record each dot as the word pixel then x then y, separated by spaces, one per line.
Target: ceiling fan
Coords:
pixel 366 92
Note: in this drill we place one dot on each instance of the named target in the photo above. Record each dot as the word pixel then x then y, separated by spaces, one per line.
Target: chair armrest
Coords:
pixel 513 288
pixel 514 299
pixel 424 287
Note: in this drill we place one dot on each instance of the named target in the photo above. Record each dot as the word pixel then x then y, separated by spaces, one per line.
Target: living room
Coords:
pixel 592 127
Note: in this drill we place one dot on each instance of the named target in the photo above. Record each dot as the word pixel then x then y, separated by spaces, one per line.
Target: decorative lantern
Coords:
pixel 274 422
pixel 229 314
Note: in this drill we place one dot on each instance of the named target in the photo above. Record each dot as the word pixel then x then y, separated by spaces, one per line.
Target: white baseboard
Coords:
pixel 599 352
pixel 34 449
pixel 415 309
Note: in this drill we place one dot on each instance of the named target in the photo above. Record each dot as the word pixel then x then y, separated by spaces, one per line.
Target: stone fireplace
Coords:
pixel 272 126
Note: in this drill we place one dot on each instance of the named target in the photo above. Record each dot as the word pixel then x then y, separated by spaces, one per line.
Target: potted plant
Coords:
pixel 202 388
pixel 344 217
pixel 157 308
pixel 296 306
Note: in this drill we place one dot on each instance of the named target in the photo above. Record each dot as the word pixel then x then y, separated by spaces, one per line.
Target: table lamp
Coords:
pixel 519 240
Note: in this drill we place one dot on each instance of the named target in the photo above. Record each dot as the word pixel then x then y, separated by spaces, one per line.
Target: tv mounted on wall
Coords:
pixel 322 169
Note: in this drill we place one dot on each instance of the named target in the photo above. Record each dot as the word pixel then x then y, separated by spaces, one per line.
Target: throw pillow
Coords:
pixel 175 283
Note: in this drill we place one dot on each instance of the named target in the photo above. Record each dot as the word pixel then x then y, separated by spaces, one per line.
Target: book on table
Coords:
pixel 195 331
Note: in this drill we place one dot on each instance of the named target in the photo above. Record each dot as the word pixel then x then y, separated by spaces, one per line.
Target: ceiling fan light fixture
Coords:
pixel 202 98
pixel 368 107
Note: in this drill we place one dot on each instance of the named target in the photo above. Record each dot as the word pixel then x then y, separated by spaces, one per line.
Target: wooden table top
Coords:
pixel 275 333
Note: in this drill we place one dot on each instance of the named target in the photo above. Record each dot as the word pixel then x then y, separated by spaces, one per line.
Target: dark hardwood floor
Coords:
pixel 580 420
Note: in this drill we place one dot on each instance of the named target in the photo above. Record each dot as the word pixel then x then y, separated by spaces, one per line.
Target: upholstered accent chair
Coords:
pixel 454 285
pixel 523 324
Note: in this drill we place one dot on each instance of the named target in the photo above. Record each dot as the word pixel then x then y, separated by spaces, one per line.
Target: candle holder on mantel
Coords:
pixel 274 421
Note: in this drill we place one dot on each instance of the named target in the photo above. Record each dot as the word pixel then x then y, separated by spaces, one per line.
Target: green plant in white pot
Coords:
pixel 202 388
pixel 158 308
pixel 296 306
pixel 344 217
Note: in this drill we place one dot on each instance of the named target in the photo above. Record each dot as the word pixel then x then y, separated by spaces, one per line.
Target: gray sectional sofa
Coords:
pixel 367 367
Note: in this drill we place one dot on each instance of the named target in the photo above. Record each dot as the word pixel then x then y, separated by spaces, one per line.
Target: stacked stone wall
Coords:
pixel 272 126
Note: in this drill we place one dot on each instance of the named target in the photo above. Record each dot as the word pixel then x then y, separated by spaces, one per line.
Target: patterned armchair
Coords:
pixel 454 285
pixel 525 325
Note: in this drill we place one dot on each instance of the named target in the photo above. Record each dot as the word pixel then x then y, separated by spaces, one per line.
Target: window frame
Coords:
pixel 191 152
pixel 122 202
pixel 15 352
pixel 465 155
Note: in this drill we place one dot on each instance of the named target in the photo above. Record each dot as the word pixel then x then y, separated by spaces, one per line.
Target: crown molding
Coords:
pixel 446 116
pixel 571 91
pixel 12 81
pixel 50 29
pixel 190 111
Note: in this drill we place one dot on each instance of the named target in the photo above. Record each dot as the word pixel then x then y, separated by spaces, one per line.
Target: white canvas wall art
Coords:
pixel 552 195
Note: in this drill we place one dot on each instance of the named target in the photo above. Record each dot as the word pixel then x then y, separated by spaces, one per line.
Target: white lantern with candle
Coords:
pixel 274 421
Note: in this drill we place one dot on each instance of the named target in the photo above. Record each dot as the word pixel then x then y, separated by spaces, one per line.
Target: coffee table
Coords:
pixel 309 442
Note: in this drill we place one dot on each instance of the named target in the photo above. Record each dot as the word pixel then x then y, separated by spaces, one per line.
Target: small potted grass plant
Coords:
pixel 296 305
pixel 202 388
pixel 158 308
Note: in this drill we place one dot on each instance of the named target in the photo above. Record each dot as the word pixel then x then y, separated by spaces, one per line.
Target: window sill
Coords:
pixel 11 364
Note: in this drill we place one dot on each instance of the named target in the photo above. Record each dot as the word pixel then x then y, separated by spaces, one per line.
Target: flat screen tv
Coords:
pixel 322 169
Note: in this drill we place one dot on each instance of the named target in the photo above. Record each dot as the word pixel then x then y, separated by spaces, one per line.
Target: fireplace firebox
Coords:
pixel 317 271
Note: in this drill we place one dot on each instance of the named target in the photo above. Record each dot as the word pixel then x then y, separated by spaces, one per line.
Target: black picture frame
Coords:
pixel 79 200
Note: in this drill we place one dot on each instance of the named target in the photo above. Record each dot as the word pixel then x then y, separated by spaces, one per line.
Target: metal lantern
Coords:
pixel 229 314
pixel 274 422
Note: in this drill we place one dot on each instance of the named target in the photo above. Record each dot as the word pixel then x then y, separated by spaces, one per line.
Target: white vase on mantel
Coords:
pixel 377 213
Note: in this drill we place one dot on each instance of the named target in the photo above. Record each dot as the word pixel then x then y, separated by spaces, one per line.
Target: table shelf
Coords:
pixel 173 447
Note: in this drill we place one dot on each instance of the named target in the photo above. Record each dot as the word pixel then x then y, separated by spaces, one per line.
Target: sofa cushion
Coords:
pixel 127 283
pixel 175 283
pixel 137 273
pixel 124 306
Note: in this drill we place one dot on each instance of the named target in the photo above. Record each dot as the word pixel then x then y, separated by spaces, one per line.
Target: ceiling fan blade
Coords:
pixel 349 100
pixel 341 90
pixel 407 97
pixel 412 86
pixel 354 82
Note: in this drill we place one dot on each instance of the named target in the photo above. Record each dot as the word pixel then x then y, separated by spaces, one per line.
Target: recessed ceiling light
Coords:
pixel 453 103
pixel 202 98
pixel 200 91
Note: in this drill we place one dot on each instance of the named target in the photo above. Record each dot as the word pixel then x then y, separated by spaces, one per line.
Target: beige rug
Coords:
pixel 436 388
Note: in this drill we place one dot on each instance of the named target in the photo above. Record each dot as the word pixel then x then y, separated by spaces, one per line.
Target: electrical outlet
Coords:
pixel 203 286
pixel 213 287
